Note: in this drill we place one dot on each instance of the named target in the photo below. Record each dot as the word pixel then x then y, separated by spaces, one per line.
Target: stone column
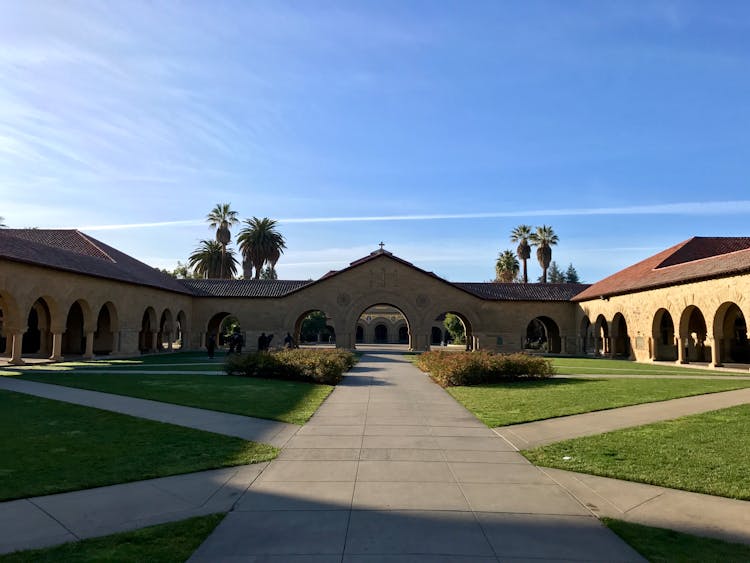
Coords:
pixel 169 341
pixel 15 356
pixel 56 347
pixel 681 357
pixel 89 353
pixel 154 340
pixel 716 345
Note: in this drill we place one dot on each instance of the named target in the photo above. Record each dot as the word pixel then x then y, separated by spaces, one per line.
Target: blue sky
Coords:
pixel 434 126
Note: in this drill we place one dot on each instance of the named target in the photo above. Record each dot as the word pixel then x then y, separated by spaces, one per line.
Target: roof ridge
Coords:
pixel 92 243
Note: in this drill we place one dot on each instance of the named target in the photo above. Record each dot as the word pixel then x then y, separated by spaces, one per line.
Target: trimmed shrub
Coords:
pixel 473 368
pixel 312 366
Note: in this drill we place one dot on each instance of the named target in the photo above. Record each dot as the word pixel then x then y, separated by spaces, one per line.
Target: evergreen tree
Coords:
pixel 555 274
pixel 269 273
pixel 571 276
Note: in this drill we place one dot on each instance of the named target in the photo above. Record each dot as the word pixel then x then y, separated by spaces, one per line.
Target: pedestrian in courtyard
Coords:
pixel 211 346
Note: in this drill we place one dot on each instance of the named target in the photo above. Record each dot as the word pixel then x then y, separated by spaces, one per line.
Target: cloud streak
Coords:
pixel 685 208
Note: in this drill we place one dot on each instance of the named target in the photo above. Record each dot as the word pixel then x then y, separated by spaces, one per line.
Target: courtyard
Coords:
pixel 386 464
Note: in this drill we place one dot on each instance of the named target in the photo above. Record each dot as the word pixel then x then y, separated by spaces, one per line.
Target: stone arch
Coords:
pixel 620 338
pixel 403 333
pixel 78 324
pixel 436 336
pixel 543 334
pixel 586 336
pixel 693 336
pixel 601 336
pixel 388 331
pixel 314 329
pixel 181 330
pixel 350 317
pixel 217 326
pixel 148 332
pixel 107 330
pixel 360 335
pixel 730 334
pixel 438 322
pixel 10 323
pixel 165 336
pixel 663 336
pixel 37 338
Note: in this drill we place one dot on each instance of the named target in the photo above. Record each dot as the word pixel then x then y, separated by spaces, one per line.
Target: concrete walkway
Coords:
pixel 54 519
pixel 693 513
pixel 391 468
pixel 254 429
pixel 533 434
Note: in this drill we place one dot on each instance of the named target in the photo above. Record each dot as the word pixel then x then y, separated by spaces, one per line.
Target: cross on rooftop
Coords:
pixel 381 245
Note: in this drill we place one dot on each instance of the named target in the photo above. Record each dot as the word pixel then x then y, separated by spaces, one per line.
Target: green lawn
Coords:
pixel 662 546
pixel 166 543
pixel 706 453
pixel 287 401
pixel 514 402
pixel 601 366
pixel 50 447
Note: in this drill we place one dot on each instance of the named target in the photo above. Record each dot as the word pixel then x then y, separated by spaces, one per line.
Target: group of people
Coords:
pixel 236 342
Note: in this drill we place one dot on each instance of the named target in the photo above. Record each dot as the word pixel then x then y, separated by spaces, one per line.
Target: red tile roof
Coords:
pixel 243 288
pixel 692 260
pixel 493 291
pixel 73 251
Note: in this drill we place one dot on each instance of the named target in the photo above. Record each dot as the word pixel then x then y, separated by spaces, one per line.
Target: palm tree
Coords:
pixel 506 267
pixel 221 218
pixel 211 260
pixel 521 235
pixel 260 242
pixel 544 239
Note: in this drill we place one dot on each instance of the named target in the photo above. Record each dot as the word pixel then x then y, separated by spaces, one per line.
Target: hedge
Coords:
pixel 473 368
pixel 313 366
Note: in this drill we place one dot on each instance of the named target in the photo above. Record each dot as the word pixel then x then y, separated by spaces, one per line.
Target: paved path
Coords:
pixel 54 519
pixel 255 429
pixel 655 376
pixel 391 468
pixel 533 434
pixel 692 513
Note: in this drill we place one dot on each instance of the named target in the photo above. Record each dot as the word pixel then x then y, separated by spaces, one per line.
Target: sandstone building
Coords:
pixel 63 292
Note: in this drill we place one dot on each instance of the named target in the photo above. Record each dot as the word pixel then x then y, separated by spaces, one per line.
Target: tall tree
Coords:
pixel 2 222
pixel 269 273
pixel 571 275
pixel 521 235
pixel 210 260
pixel 221 218
pixel 261 243
pixel 555 274
pixel 455 328
pixel 544 239
pixel 506 267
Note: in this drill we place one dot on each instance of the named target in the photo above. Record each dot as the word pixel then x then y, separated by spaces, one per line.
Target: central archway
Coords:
pixel 382 324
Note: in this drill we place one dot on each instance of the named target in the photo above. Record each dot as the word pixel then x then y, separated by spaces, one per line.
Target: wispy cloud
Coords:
pixel 686 208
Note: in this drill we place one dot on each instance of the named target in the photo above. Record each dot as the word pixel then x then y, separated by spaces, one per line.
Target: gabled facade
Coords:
pixel 65 293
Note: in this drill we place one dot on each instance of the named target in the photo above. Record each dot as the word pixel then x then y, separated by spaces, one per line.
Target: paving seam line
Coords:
pixel 71 532
pixel 511 444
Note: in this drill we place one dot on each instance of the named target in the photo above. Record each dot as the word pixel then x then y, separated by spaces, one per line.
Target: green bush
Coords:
pixel 473 368
pixel 313 366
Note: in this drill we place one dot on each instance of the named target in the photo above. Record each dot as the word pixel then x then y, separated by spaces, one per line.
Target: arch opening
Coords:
pixel 38 339
pixel 543 335
pixel 663 337
pixel 601 337
pixel 733 342
pixel 226 330
pixel 180 331
pixel 586 336
pixel 620 338
pixel 74 337
pixel 315 327
pixel 693 334
pixel 383 324
pixel 106 330
pixel 147 334
pixel 452 329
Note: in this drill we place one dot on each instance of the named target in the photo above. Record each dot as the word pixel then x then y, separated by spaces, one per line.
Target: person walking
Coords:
pixel 211 346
